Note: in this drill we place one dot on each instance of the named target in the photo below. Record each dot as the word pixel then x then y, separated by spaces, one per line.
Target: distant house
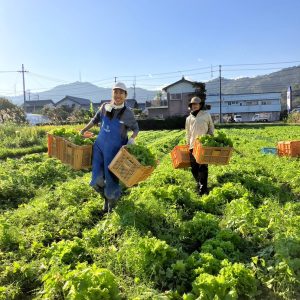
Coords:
pixel 131 103
pixel 97 105
pixel 180 93
pixel 34 106
pixel 141 106
pixel 74 102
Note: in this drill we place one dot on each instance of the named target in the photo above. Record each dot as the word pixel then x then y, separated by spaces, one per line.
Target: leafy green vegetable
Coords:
pixel 73 136
pixel 142 154
pixel 219 140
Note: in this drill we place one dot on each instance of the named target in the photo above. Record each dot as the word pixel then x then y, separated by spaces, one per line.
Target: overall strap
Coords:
pixel 120 113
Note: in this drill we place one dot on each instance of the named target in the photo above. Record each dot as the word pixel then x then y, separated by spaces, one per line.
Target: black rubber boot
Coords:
pixel 111 204
pixel 203 178
pixel 105 206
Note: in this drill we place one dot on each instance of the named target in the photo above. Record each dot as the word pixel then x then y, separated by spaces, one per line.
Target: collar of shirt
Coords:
pixel 195 112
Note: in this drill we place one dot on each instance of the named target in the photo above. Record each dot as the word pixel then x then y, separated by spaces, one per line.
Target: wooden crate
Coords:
pixel 288 148
pixel 211 155
pixel 55 146
pixel 181 156
pixel 128 169
pixel 78 157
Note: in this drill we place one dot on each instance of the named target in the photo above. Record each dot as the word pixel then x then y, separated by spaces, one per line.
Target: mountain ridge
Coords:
pixel 277 81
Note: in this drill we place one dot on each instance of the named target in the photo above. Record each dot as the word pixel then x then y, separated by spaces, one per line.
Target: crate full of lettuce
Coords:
pixel 71 147
pixel 133 164
pixel 216 149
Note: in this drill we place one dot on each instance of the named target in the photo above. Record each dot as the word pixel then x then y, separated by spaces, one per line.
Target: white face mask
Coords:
pixel 110 106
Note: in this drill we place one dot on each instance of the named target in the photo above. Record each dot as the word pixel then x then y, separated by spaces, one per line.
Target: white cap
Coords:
pixel 120 85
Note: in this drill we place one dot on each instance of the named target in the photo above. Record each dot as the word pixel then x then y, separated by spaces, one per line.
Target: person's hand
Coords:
pixel 130 141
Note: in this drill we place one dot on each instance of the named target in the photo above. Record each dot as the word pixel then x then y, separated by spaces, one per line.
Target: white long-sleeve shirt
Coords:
pixel 197 126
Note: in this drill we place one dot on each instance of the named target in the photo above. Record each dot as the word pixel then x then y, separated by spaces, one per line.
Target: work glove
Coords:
pixel 130 141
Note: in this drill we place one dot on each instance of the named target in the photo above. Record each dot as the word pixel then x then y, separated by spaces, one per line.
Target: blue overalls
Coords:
pixel 106 146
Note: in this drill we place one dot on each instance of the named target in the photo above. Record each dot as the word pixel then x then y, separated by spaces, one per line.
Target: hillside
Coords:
pixel 84 90
pixel 273 82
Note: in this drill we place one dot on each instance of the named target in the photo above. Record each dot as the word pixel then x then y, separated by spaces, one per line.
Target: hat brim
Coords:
pixel 190 104
pixel 117 88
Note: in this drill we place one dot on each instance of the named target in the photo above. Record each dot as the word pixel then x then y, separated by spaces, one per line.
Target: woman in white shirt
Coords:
pixel 198 123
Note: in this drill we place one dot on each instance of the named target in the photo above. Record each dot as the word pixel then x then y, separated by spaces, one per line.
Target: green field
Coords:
pixel 163 241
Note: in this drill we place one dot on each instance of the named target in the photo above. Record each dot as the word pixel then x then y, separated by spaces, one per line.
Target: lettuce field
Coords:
pixel 163 240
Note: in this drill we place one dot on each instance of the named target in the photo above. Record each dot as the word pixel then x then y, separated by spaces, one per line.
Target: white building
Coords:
pixel 246 105
pixel 180 92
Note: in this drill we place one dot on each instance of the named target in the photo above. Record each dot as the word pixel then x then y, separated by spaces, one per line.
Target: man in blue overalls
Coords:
pixel 116 120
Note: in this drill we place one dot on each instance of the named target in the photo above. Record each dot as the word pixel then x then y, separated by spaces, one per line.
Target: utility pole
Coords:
pixel 220 91
pixel 115 79
pixel 24 93
pixel 134 82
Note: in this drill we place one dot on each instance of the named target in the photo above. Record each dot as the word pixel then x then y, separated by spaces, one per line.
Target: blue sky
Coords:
pixel 154 42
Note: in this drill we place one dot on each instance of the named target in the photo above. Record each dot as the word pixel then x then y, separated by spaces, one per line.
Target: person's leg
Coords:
pixel 194 167
pixel 203 178
pixel 98 175
pixel 112 189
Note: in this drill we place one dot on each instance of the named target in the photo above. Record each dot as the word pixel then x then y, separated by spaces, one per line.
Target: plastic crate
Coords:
pixel 78 157
pixel 128 169
pixel 268 150
pixel 211 155
pixel 181 157
pixel 289 148
pixel 55 146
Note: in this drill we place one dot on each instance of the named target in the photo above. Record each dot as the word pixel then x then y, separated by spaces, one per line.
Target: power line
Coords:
pixel 268 63
pixel 48 78
pixel 152 77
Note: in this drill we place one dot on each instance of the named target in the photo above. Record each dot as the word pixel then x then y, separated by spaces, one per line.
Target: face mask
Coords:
pixel 109 107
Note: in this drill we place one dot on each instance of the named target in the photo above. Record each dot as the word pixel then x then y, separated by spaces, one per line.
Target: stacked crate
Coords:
pixel 289 148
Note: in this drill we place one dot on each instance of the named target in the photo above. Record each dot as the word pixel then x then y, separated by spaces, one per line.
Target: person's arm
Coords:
pixel 187 136
pixel 93 122
pixel 211 126
pixel 135 133
pixel 87 127
pixel 133 125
